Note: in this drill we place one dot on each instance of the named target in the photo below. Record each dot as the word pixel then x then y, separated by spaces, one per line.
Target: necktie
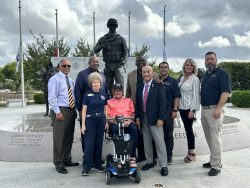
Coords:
pixel 71 98
pixel 145 96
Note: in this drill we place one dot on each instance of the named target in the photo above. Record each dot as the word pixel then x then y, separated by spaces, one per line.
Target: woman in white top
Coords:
pixel 189 103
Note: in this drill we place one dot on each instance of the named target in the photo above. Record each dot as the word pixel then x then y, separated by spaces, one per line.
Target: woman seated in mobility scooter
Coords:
pixel 123 132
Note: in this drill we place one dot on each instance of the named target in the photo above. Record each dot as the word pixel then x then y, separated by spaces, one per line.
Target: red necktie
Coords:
pixel 145 97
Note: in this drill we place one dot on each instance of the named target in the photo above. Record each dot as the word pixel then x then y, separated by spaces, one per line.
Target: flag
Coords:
pixel 56 52
pixel 18 59
pixel 164 54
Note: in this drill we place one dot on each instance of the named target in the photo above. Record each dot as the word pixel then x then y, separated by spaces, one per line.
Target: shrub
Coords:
pixel 39 98
pixel 238 73
pixel 241 98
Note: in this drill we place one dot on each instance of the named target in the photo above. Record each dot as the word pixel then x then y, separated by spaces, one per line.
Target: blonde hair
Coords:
pixel 192 62
pixel 94 76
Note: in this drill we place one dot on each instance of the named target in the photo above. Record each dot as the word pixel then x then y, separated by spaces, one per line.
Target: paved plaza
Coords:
pixel 235 171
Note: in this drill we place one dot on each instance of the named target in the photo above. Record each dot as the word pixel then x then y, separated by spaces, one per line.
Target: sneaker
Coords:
pixel 206 165
pixel 99 169
pixel 213 172
pixel 85 172
pixel 170 160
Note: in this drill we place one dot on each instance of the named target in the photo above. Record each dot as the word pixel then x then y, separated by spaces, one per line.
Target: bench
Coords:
pixel 15 102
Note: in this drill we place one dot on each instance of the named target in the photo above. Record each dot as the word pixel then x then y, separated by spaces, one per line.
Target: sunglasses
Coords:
pixel 66 66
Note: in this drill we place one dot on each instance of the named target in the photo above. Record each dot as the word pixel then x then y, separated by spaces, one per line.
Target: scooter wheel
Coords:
pixel 108 178
pixel 137 176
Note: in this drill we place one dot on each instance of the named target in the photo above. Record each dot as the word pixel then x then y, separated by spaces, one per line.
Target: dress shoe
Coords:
pixel 213 172
pixel 61 170
pixel 164 171
pixel 70 163
pixel 147 166
pixel 206 165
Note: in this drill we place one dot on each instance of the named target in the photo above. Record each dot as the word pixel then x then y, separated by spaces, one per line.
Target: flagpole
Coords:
pixel 57 40
pixel 129 33
pixel 164 34
pixel 94 28
pixel 21 55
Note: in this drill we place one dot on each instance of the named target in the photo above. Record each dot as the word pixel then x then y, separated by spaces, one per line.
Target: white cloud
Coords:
pixel 243 40
pixel 180 26
pixel 215 42
pixel 152 26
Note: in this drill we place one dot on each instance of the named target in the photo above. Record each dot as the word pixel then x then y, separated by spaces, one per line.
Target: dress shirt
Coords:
pixel 58 91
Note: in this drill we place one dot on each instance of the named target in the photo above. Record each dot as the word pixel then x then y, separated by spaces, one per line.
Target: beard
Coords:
pixel 210 68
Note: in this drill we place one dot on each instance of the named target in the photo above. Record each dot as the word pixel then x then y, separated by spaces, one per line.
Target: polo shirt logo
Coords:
pixel 90 95
pixel 167 83
pixel 102 97
pixel 213 75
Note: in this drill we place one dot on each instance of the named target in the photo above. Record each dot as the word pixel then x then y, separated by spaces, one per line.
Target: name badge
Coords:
pixel 102 97
pixel 90 95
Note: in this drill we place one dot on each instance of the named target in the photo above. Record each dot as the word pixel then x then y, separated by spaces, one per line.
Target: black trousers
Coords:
pixel 188 124
pixel 63 133
pixel 168 128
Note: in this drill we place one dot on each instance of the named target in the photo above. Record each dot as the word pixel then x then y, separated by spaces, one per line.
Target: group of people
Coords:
pixel 152 102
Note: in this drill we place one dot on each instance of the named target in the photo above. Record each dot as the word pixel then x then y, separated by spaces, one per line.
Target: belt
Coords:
pixel 209 107
pixel 65 107
pixel 95 114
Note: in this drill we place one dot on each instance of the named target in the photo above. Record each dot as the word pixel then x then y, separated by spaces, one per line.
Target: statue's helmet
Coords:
pixel 112 21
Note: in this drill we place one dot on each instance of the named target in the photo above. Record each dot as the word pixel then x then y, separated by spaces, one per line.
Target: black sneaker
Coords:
pixel 213 172
pixel 206 165
pixel 170 160
pixel 99 169
pixel 85 172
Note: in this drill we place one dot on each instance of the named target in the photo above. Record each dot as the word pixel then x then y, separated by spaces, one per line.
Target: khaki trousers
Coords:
pixel 212 130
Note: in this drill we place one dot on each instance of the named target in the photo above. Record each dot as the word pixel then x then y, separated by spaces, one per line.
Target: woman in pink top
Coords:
pixel 125 107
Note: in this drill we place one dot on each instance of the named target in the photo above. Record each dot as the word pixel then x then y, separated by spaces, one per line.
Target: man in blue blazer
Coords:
pixel 150 113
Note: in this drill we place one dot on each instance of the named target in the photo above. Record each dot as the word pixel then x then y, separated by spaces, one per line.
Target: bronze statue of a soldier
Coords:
pixel 115 52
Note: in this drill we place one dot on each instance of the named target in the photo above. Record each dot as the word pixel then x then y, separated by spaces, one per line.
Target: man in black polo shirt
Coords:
pixel 173 96
pixel 215 90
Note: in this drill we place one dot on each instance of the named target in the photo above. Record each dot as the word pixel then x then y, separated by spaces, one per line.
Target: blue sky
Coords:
pixel 193 27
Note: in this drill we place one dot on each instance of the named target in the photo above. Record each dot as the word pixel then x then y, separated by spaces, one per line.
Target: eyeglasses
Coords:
pixel 66 66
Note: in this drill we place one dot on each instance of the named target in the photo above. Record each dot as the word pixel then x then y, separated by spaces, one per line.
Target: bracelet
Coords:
pixel 174 110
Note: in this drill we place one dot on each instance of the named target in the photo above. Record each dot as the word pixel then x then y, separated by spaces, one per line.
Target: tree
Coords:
pixel 142 51
pixel 82 48
pixel 37 57
pixel 9 72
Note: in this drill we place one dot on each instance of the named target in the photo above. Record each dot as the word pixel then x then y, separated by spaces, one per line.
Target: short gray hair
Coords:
pixel 62 60
pixel 94 76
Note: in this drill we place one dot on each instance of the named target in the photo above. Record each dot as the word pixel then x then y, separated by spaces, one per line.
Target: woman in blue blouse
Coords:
pixel 93 123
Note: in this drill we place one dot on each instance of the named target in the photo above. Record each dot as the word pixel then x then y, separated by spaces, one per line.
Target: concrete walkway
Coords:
pixel 235 172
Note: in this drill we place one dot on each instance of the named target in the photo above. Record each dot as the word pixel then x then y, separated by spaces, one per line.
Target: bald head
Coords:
pixel 147 73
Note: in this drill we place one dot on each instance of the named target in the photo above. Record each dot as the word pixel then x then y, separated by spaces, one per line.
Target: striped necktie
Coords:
pixel 145 97
pixel 71 98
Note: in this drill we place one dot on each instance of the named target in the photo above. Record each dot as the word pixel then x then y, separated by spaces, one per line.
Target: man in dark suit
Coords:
pixel 150 114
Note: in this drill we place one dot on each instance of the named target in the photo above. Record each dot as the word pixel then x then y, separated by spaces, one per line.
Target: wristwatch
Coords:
pixel 174 110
